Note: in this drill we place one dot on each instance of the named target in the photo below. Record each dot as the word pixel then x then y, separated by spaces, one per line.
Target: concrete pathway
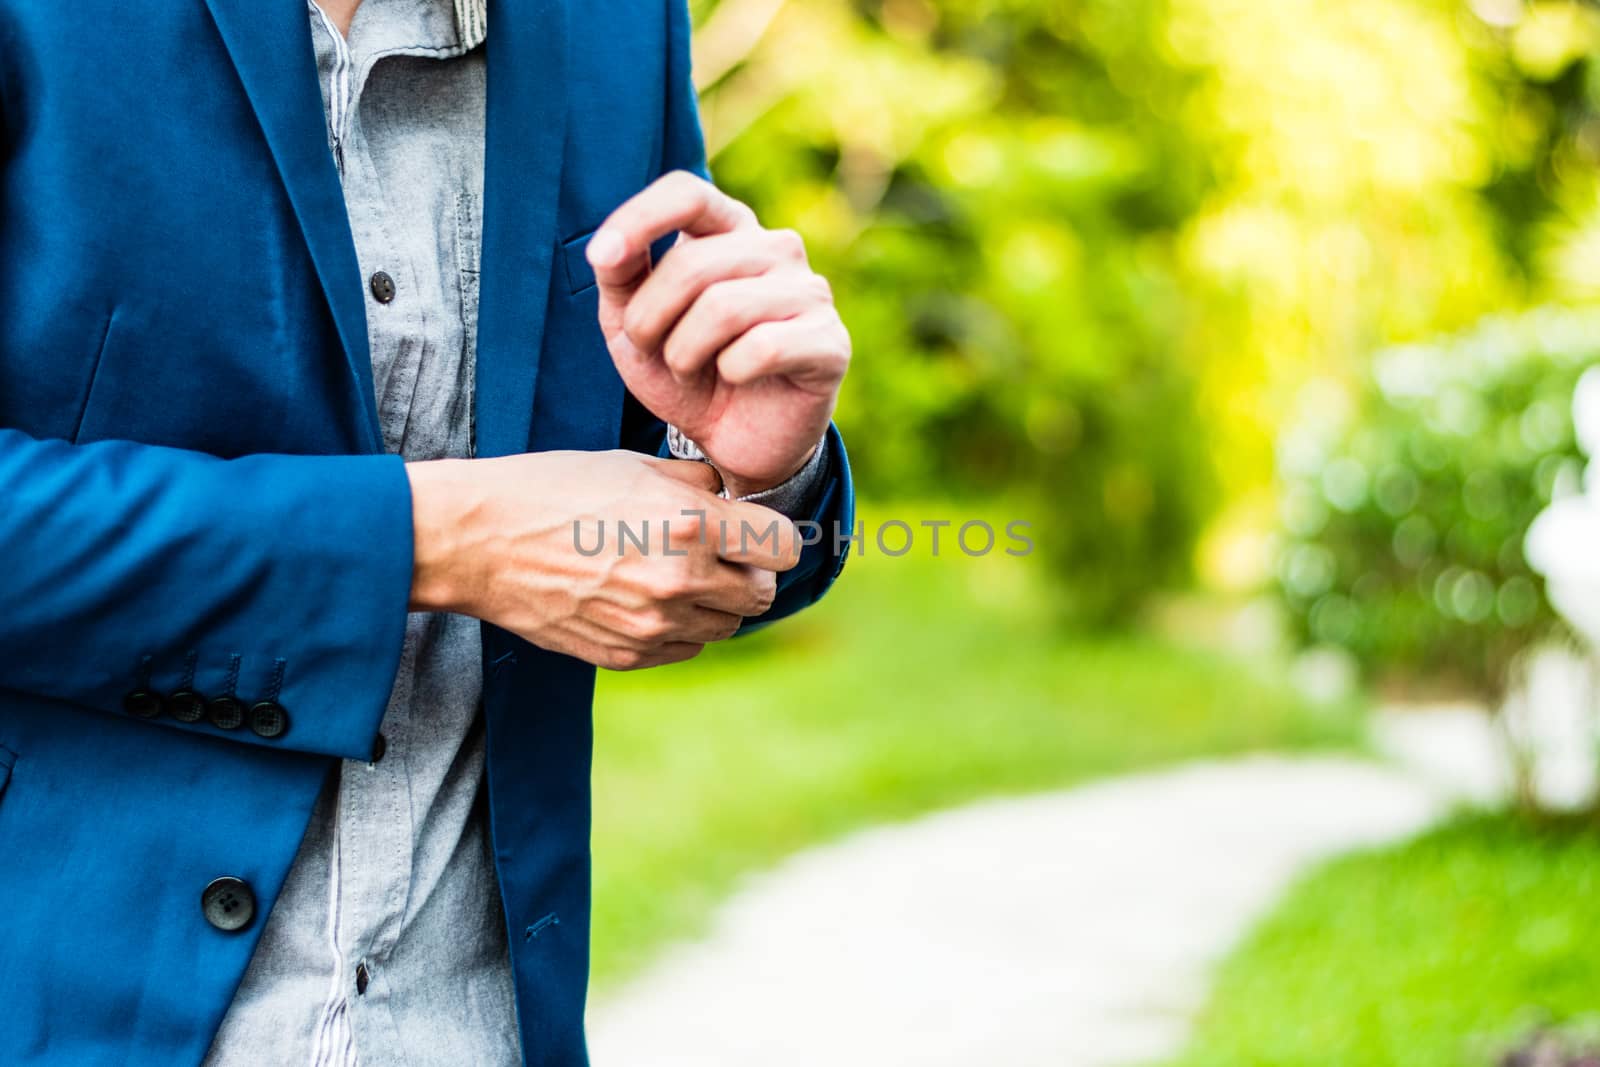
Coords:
pixel 1074 929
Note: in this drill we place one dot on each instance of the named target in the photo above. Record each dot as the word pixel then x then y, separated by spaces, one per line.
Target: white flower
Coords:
pixel 1563 544
pixel 1586 412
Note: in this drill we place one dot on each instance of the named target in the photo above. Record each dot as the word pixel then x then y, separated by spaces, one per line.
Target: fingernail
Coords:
pixel 606 249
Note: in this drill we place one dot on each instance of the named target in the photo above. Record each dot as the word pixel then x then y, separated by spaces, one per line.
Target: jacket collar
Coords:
pixel 270 45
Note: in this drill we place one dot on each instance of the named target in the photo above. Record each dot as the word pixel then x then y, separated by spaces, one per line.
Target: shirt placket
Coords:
pixel 380 887
pixel 338 89
pixel 369 873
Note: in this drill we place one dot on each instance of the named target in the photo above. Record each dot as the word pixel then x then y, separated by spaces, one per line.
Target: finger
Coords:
pixel 642 629
pixel 619 251
pixel 739 590
pixel 600 651
pixel 742 532
pixel 676 652
pixel 692 266
pixel 707 625
pixel 690 472
pixel 811 347
pixel 727 309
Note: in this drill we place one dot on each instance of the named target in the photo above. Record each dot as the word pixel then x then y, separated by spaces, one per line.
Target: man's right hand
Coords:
pixel 499 539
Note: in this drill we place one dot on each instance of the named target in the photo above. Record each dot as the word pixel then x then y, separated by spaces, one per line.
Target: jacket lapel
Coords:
pixel 526 118
pixel 270 44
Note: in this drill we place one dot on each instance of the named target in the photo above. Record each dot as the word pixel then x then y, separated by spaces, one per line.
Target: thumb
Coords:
pixel 691 472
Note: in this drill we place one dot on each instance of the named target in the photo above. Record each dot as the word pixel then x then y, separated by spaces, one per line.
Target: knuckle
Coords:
pixel 680 181
pixel 837 346
pixel 761 345
pixel 686 530
pixel 652 626
pixel 677 353
pixel 841 335
pixel 623 659
pixel 721 305
pixel 822 287
pixel 660 584
pixel 770 348
pixel 673 582
pixel 695 271
pixel 635 320
pixel 789 244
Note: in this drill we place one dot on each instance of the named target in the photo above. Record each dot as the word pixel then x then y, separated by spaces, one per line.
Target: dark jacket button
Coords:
pixel 268 719
pixel 363 976
pixel 186 705
pixel 225 712
pixel 142 703
pixel 229 904
pixel 379 747
pixel 382 287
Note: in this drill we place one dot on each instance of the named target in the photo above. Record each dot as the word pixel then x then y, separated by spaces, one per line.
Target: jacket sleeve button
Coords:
pixel 142 704
pixel 186 705
pixel 229 904
pixel 269 720
pixel 225 713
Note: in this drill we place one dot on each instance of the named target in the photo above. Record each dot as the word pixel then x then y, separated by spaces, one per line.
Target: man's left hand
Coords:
pixel 732 338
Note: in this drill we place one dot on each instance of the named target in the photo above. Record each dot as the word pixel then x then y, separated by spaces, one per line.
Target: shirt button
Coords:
pixel 379 747
pixel 362 977
pixel 382 287
pixel 229 904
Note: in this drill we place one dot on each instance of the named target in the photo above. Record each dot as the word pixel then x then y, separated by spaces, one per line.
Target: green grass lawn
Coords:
pixel 916 685
pixel 1432 954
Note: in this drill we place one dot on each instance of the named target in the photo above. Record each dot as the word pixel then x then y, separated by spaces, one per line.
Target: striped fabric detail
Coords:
pixel 335 1040
pixel 338 86
pixel 472 22
pixel 333 1044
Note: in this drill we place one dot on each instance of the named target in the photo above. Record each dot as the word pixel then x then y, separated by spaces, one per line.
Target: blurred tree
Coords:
pixel 1090 250
pixel 996 190
pixel 1406 505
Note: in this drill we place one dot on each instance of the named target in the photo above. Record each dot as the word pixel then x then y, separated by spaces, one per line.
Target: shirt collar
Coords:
pixel 471 21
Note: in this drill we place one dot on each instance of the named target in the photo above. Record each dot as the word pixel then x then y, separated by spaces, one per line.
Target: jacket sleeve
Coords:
pixel 162 584
pixel 831 523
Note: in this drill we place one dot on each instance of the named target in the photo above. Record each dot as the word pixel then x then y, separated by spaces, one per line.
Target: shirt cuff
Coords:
pixel 793 498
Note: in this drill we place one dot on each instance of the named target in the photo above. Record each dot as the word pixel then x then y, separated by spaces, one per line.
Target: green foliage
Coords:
pixel 1088 249
pixel 1542 63
pixel 916 685
pixel 1405 512
pixel 995 191
pixel 1438 953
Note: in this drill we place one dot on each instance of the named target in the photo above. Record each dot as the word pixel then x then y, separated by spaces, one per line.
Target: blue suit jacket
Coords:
pixel 191 490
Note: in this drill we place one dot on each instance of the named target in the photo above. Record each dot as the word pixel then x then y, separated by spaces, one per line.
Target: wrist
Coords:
pixel 441 501
pixel 737 488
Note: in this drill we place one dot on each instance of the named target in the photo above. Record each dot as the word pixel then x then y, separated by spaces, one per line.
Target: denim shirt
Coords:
pixel 388 941
pixel 387 944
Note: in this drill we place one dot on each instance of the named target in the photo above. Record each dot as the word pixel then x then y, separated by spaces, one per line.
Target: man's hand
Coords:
pixel 496 539
pixel 731 337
